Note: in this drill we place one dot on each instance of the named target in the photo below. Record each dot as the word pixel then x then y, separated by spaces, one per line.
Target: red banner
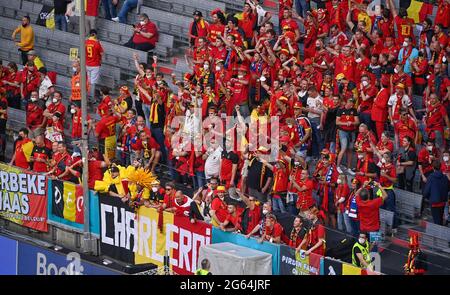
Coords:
pixel 23 197
pixel 190 236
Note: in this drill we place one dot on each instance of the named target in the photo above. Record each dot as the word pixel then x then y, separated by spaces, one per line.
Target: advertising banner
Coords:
pixel 219 236
pixel 66 206
pixel 145 236
pixel 298 263
pixel 331 267
pixel 8 256
pixel 34 260
pixel 23 197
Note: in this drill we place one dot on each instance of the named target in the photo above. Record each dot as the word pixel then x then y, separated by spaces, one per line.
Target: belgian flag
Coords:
pixel 67 201
pixel 417 10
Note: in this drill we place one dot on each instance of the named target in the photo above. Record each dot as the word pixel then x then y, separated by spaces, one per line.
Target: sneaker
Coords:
pixel 339 169
pixel 115 19
pixel 351 172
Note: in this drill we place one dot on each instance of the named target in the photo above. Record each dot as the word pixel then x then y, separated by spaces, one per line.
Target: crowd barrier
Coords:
pixel 22 258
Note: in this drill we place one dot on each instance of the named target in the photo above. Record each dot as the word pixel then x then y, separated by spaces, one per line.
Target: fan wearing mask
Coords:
pixel 35 115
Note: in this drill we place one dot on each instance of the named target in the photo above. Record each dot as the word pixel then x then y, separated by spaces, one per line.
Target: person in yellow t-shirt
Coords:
pixel 26 38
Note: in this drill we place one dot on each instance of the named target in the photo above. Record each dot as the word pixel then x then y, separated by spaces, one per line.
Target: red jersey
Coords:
pixel 305 199
pixel 254 218
pixel 435 117
pixel 274 232
pixel 388 169
pixel 316 233
pixel 247 23
pixel 42 153
pixel 94 51
pixel 35 116
pixel 369 214
pixel 405 28
pixel 346 65
pixel 281 180
pixel 407 128
pixel 95 172
pixel 147 28
pixel 220 207
pixel 92 7
pixel 342 191
pixel 425 158
pixel 443 14
pixel 215 30
pixel 380 108
pixel 106 126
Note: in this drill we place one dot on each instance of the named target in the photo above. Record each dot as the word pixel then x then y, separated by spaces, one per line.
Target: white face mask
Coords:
pixel 262 79
pixel 339 181
pixel 290 125
pixel 396 71
pixel 405 44
pixel 445 158
pixel 33 99
pixel 362 241
pixel 148 76
pixel 265 211
pixel 142 23
pixel 358 60
pixel 360 156
pixel 73 111
pixel 364 83
pixel 383 160
pixel 429 148
pixel 158 82
pixel 55 100
pixel 154 189
pixel 218 68
pixel 240 76
pixel 296 163
pixel 206 67
pixel 74 69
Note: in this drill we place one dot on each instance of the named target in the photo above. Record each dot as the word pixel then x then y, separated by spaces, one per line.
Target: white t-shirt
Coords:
pixel 212 163
pixel 45 85
pixel 191 124
pixel 314 103
pixel 405 103
pixel 261 12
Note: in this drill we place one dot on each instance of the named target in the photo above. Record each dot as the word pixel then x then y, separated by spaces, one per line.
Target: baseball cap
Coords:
pixel 297 105
pixel 31 52
pixel 198 13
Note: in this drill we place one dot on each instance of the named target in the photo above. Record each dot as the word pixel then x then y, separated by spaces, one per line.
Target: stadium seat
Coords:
pixel 408 205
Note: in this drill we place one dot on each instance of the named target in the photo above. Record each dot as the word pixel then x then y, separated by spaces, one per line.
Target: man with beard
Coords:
pixel 198 28
pixel 295 237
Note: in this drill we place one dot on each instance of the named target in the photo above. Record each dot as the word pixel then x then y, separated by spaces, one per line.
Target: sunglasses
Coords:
pixel 168 189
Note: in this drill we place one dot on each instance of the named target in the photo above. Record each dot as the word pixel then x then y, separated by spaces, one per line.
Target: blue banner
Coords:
pixel 93 212
pixel 8 256
pixel 219 236
pixel 34 260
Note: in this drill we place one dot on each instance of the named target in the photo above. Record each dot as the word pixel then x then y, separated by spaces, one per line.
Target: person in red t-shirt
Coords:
pixel 369 209
pixel 436 119
pixel 94 53
pixel 379 113
pixel 105 129
pixel 305 189
pixel 273 231
pixel 314 240
pixel 22 150
pixel 232 222
pixel 145 35
pixel 425 159
pixel 404 24
pixel 35 115
pixel 217 27
pixel 254 213
pixel 443 14
pixel 91 14
pixel 40 155
pixel 218 209
pixel 198 28
pixel 96 167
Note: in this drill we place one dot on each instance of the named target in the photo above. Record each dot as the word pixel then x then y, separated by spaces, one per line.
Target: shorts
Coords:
pixel 346 139
pixel 93 74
